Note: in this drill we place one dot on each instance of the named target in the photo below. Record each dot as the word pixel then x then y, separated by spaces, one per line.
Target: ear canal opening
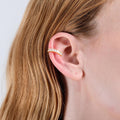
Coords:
pixel 72 59
pixel 68 50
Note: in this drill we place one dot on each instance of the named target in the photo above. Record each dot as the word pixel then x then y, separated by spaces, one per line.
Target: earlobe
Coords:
pixel 63 52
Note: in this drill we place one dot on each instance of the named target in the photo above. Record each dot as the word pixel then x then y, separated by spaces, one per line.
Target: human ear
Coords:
pixel 70 64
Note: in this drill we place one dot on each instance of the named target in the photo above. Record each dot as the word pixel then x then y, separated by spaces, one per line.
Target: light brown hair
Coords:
pixel 36 89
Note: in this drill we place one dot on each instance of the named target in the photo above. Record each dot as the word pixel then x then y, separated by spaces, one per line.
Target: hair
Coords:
pixel 36 90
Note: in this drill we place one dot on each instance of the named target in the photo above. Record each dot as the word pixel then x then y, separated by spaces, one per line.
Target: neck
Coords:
pixel 80 105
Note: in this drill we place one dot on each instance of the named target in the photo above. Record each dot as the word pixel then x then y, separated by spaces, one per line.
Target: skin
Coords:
pixel 91 67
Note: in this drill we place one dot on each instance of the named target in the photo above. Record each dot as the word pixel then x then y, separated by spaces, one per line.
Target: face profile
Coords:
pixel 101 56
pixel 64 63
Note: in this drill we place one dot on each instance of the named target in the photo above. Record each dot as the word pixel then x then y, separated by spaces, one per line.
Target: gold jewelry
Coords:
pixel 54 50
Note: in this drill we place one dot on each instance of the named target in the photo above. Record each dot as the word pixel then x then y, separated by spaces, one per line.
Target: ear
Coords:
pixel 70 64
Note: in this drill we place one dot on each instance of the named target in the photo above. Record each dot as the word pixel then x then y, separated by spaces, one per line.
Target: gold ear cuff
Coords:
pixel 55 51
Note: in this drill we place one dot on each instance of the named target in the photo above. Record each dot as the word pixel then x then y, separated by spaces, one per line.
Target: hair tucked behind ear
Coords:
pixel 36 89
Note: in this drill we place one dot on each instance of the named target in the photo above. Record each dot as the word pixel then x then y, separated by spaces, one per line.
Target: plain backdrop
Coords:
pixel 11 13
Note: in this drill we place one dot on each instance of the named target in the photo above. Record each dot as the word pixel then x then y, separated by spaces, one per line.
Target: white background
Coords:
pixel 11 13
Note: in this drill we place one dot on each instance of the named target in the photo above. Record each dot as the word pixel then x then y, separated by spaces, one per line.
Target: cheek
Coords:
pixel 102 70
